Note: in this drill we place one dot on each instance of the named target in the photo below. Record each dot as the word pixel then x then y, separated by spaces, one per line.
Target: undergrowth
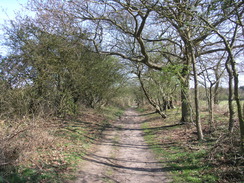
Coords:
pixel 215 159
pixel 49 150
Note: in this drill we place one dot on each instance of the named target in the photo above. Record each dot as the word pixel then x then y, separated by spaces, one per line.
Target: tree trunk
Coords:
pixel 157 107
pixel 230 98
pixel 234 73
pixel 243 109
pixel 185 102
pixel 238 103
pixel 211 106
pixel 171 104
pixel 216 88
pixel 197 108
pixel 216 93
pixel 209 95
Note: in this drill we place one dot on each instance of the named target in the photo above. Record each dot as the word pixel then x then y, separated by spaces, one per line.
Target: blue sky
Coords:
pixel 8 7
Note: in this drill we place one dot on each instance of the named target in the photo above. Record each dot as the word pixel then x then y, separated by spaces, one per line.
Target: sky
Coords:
pixel 9 7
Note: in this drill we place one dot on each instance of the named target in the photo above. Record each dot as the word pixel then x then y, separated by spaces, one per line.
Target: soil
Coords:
pixel 122 156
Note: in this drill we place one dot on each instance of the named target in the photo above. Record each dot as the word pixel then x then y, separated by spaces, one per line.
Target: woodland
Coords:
pixel 89 60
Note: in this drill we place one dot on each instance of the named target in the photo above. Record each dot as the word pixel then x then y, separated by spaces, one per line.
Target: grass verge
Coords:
pixel 186 159
pixel 49 150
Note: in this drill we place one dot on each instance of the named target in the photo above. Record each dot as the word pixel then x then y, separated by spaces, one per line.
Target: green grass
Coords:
pixel 140 110
pixel 111 112
pixel 212 160
pixel 184 166
pixel 23 175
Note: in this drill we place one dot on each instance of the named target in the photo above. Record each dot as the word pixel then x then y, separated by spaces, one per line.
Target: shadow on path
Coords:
pixel 124 152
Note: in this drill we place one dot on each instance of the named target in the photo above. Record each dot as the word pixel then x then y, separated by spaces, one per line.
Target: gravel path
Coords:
pixel 122 156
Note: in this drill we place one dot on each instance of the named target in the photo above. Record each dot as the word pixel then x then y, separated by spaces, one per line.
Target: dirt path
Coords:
pixel 122 156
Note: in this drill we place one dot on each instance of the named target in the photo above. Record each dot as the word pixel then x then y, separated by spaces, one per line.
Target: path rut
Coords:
pixel 122 156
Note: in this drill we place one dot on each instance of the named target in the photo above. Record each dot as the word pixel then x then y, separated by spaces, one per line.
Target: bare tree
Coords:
pixel 144 31
pixel 231 37
pixel 154 103
pixel 211 73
